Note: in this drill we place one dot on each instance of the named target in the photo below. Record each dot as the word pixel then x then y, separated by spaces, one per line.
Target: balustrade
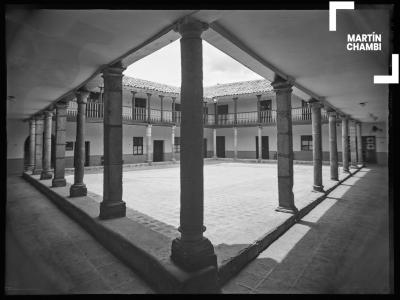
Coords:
pixel 95 110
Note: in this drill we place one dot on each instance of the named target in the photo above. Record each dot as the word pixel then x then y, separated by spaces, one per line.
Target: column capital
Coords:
pixel 48 113
pixel 133 92
pixel 115 69
pixel 258 97
pixel 32 122
pixel 189 27
pixel 315 103
pixel 161 96
pixel 344 117
pixel 101 88
pixel 39 116
pixel 81 95
pixel 281 84
pixel 332 112
pixel 235 98
pixel 148 95
pixel 63 103
pixel 173 98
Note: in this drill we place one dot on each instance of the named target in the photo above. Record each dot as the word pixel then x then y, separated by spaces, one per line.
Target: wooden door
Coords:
pixel 220 146
pixel 158 150
pixel 369 149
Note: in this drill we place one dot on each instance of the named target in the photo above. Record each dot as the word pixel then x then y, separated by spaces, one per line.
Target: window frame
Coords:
pixel 306 143
pixel 137 148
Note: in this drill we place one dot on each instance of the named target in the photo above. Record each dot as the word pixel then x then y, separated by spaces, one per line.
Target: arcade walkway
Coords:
pixel 48 253
pixel 342 246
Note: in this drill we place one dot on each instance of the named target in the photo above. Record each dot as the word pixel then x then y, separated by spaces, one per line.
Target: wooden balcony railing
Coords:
pixel 138 114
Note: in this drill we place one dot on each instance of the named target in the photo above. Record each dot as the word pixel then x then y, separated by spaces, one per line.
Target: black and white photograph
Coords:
pixel 199 150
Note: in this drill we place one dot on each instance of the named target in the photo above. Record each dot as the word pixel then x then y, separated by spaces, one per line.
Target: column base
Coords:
pixel 346 171
pixel 30 168
pixel 78 190
pixel 193 255
pixel 111 210
pixel 149 162
pixel 58 182
pixel 37 171
pixel 259 160
pixel 318 188
pixel 290 210
pixel 45 175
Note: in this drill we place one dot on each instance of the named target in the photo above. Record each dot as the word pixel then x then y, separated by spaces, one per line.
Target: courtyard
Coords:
pixel 239 198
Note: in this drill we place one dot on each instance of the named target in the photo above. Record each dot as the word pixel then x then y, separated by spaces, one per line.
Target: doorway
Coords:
pixel 264 147
pixel 220 146
pixel 369 149
pixel 158 150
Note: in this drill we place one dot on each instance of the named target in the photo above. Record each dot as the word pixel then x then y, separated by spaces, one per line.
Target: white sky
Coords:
pixel 164 66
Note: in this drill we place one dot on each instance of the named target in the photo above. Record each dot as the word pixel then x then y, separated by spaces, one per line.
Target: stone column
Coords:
pixel 359 144
pixel 317 144
pixel 32 129
pixel 258 109
pixel 61 122
pixel 149 145
pixel 173 142
pixel 173 110
pixel 235 152
pixel 235 109
pixel 215 112
pixel 148 107
pixel 161 107
pixel 46 173
pixel 283 90
pixel 333 154
pixel 112 205
pixel 214 143
pixel 259 131
pixel 38 144
pixel 78 189
pixel 133 105
pixel 192 251
pixel 345 146
pixel 353 146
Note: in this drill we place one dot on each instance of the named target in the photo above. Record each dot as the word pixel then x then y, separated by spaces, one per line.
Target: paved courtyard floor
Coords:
pixel 239 198
pixel 341 246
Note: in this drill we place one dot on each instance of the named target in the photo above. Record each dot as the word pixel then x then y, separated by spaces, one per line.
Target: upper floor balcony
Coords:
pixel 95 113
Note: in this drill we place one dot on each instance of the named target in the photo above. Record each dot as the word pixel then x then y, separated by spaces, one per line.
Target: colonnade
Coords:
pixel 191 250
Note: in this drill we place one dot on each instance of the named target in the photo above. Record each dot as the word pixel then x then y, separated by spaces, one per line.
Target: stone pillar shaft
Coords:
pixel 78 189
pixel 345 145
pixel 259 109
pixel 61 122
pixel 149 144
pixel 333 154
pixel 235 146
pixel 216 113
pixel 46 174
pixel 148 107
pixel 283 90
pixel 214 143
pixel 173 110
pixel 112 205
pixel 235 109
pixel 192 251
pixel 32 135
pixel 38 145
pixel 353 145
pixel 161 107
pixel 259 143
pixel 133 105
pixel 317 145
pixel 173 142
pixel 359 143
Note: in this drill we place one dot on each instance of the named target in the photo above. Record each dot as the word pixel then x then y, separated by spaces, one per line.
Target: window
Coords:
pixel 138 145
pixel 69 146
pixel 265 105
pixel 177 144
pixel 306 142
pixel 140 102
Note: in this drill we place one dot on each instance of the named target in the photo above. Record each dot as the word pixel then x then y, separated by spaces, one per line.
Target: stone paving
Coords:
pixel 341 246
pixel 240 198
pixel 49 253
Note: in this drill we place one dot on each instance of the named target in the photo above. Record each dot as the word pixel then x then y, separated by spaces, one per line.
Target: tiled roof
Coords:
pixel 237 88
pixel 150 85
pixel 219 90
